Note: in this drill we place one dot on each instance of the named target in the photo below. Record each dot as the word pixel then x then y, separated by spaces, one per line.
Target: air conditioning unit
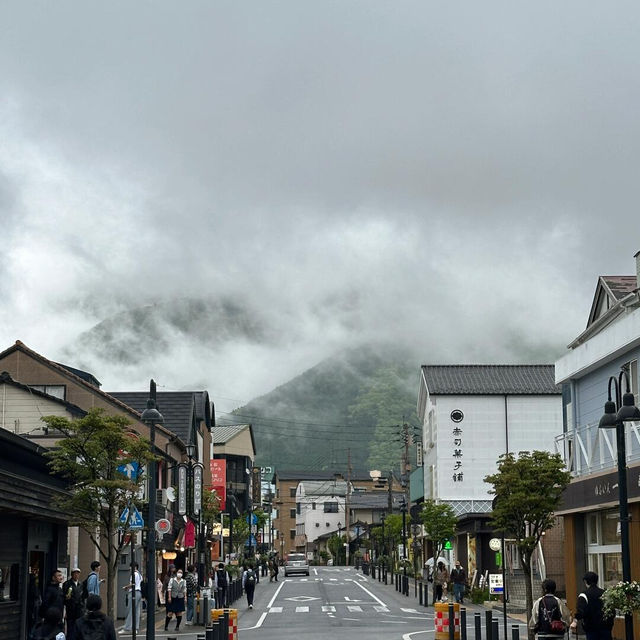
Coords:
pixel 161 497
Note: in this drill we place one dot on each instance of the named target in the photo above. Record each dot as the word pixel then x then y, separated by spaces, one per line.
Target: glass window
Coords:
pixel 9 582
pixel 292 534
pixel 612 569
pixel 331 507
pixel 611 527
pixel 592 528
pixel 292 513
pixel 292 492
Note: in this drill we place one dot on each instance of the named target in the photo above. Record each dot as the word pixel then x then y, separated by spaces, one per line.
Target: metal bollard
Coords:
pixel 201 636
pixel 477 620
pixel 463 623
pixel 405 581
pixel 386 575
pixel 515 632
pixel 208 634
pixel 420 594
pixel 426 595
pixel 487 624
pixel 205 611
pixel 225 624
pixel 452 622
pixel 215 630
pixel 495 630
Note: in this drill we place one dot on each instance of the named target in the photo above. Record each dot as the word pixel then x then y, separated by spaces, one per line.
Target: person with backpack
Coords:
pixel 134 590
pixel 249 580
pixel 550 616
pixel 53 595
pixel 596 626
pixel 192 592
pixel 176 593
pixel 95 625
pixel 91 584
pixel 73 603
pixel 50 628
pixel 221 583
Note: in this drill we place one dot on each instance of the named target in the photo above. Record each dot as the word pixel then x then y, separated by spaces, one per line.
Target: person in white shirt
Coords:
pixel 135 591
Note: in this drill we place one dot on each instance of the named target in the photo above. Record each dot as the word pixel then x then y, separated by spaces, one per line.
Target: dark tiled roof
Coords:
pixel 491 379
pixel 85 375
pixel 296 474
pixel 177 408
pixel 621 286
pixel 374 500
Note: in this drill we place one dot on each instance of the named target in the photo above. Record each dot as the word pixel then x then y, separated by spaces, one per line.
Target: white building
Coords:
pixel 320 509
pixel 471 414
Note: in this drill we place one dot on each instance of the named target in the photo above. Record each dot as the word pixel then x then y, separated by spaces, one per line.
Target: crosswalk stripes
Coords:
pixel 381 608
pixel 275 610
pixel 354 607
pixel 327 608
pixel 302 609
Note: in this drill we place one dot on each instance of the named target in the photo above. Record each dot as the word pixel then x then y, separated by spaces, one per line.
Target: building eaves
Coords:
pixel 5 378
pixel 500 379
pixel 20 346
pixel 220 435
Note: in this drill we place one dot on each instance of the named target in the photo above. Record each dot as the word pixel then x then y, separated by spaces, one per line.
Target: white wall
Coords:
pixel 310 517
pixel 21 411
pixel 532 423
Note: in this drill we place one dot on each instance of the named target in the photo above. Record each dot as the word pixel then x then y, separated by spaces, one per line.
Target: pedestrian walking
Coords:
pixel 134 594
pixel 53 594
pixel 160 591
pixel 459 580
pixel 221 582
pixel 94 624
pixel 440 580
pixel 171 572
pixel 249 580
pixel 176 594
pixel 596 626
pixel 50 627
pixel 93 580
pixel 73 602
pixel 192 592
pixel 550 616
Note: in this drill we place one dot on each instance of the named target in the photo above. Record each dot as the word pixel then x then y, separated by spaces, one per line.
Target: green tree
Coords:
pixel 439 521
pixel 241 531
pixel 528 489
pixel 88 455
pixel 336 546
pixel 386 401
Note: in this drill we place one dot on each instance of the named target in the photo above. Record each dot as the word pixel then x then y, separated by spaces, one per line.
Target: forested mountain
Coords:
pixel 356 401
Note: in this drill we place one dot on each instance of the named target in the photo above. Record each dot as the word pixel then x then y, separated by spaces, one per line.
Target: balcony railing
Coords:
pixel 589 449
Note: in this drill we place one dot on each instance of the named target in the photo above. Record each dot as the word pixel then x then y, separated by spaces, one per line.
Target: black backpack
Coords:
pixel 222 578
pixel 550 616
pixel 85 586
pixel 38 633
pixel 251 576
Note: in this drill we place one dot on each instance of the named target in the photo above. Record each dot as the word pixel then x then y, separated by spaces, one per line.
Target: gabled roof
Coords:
pixel 5 378
pixel 85 375
pixel 491 379
pixel 220 435
pixel 67 373
pixel 178 408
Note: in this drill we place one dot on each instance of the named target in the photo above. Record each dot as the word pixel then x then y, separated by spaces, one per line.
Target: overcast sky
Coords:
pixel 449 176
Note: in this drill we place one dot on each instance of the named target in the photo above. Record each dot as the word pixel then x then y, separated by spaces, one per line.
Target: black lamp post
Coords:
pixel 616 413
pixel 151 417
pixel 190 499
pixel 403 506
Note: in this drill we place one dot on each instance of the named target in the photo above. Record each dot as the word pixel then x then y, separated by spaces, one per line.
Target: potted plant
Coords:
pixel 621 599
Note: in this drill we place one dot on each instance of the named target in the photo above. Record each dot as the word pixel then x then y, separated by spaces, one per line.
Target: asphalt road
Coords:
pixel 332 603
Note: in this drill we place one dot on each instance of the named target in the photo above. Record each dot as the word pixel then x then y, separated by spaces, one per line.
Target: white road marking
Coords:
pixel 354 607
pixel 328 609
pixel 275 610
pixel 275 595
pixel 380 609
pixel 334 579
pixel 407 636
pixel 257 624
pixel 348 599
pixel 375 597
pixel 302 609
pixel 407 610
pixel 302 598
pixel 315 571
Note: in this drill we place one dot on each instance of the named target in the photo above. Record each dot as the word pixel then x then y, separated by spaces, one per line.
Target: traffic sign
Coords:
pixel 130 469
pixel 251 541
pixel 253 517
pixel 163 526
pixel 133 522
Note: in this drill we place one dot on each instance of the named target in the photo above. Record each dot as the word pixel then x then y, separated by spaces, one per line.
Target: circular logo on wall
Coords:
pixel 457 415
pixel 163 526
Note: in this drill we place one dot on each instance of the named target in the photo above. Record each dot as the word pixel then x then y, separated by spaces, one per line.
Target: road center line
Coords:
pixel 275 595
pixel 375 597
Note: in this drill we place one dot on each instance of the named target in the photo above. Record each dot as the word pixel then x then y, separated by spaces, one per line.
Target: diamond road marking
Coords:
pixel 328 609
pixel 275 610
pixel 354 607
pixel 302 609
pixel 381 609
pixel 302 599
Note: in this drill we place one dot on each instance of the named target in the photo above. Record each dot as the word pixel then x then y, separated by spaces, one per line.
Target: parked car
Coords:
pixel 296 563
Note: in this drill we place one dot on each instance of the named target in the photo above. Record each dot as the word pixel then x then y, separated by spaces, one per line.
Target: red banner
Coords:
pixel 219 480
pixel 189 539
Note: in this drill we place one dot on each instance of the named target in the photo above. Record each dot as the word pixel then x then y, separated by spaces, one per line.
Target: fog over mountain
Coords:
pixel 223 195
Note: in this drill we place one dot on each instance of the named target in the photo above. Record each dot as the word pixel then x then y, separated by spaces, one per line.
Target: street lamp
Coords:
pixel 151 417
pixel 616 413
pixel 190 477
pixel 403 506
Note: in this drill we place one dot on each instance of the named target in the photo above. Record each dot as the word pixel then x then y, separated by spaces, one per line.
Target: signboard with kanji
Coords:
pixel 219 480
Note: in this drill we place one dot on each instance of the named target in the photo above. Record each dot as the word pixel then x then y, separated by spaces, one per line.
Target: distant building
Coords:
pixel 610 343
pixel 471 414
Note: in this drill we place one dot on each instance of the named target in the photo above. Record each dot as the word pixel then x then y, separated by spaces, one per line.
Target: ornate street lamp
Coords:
pixel 151 417
pixel 616 413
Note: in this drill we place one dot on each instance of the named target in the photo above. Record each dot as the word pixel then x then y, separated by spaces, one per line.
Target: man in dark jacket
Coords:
pixel 53 595
pixel 95 625
pixel 596 626
pixel 73 605
pixel 459 579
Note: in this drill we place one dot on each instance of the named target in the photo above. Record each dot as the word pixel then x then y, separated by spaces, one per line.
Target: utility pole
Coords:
pixel 346 505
